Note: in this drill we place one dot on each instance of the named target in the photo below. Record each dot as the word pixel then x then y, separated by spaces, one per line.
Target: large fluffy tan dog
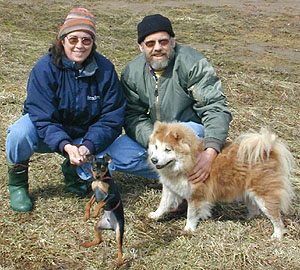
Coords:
pixel 256 167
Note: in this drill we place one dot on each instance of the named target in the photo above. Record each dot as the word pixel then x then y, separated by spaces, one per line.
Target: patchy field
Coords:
pixel 254 46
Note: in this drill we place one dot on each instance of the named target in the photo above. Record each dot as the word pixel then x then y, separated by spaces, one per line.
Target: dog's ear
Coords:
pixel 90 158
pixel 107 158
pixel 157 124
pixel 156 127
pixel 178 135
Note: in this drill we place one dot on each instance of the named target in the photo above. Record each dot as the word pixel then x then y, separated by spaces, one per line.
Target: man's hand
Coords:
pixel 202 167
pixel 76 154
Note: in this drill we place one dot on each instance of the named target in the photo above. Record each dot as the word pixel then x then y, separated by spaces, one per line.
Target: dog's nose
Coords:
pixel 154 160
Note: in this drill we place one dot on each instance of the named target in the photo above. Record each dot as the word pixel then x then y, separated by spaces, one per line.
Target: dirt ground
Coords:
pixel 254 47
pixel 272 8
pixel 253 6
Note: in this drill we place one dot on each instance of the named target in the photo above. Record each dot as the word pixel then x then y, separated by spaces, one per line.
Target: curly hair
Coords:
pixel 57 52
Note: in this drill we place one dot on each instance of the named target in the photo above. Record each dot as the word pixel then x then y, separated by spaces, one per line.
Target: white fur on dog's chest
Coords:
pixel 179 185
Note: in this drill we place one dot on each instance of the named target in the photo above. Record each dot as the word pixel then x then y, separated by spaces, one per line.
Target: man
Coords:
pixel 169 82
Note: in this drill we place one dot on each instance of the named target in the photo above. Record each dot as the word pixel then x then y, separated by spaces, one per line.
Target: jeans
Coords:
pixel 130 157
pixel 22 141
pixel 127 155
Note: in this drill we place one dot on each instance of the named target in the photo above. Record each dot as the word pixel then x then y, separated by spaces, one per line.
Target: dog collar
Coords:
pixel 106 178
pixel 117 205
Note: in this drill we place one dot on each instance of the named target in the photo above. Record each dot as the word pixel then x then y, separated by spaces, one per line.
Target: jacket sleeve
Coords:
pixel 41 105
pixel 138 124
pixel 211 103
pixel 109 125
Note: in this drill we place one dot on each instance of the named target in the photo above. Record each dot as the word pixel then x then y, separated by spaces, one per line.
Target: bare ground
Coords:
pixel 254 46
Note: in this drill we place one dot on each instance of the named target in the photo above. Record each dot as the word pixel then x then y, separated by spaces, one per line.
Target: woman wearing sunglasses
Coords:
pixel 74 106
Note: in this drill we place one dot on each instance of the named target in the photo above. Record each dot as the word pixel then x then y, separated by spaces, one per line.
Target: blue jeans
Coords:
pixel 22 141
pixel 127 155
pixel 130 157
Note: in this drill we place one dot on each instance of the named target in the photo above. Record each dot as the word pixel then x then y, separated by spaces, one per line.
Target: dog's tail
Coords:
pixel 257 147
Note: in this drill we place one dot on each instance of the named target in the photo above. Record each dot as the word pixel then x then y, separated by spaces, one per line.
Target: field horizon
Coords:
pixel 254 47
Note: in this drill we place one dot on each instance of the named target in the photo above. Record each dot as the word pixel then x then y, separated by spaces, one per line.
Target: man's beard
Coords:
pixel 160 64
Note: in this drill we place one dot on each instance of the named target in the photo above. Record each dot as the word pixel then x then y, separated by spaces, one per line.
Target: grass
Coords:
pixel 256 54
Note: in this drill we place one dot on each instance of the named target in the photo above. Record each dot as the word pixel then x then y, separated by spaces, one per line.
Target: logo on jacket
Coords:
pixel 92 98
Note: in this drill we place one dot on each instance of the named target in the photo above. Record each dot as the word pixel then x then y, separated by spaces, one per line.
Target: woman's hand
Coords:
pixel 83 151
pixel 76 154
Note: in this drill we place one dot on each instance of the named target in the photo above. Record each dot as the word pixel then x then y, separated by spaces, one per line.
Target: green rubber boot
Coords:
pixel 18 187
pixel 72 180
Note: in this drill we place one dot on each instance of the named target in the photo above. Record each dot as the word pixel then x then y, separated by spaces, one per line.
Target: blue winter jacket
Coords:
pixel 69 103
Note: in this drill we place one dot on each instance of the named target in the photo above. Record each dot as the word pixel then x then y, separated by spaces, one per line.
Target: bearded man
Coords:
pixel 169 82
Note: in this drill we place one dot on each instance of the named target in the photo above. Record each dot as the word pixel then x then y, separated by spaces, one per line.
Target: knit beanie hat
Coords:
pixel 153 23
pixel 78 19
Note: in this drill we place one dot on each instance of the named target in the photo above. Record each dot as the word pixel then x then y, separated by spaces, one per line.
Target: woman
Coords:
pixel 74 106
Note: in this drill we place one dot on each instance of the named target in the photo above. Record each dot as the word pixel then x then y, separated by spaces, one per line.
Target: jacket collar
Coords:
pixel 87 71
pixel 90 69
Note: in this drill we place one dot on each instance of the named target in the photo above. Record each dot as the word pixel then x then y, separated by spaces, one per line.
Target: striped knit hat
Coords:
pixel 78 19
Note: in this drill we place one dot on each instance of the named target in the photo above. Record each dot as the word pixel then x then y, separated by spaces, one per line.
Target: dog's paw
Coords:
pixel 95 214
pixel 154 215
pixel 92 243
pixel 86 244
pixel 190 227
pixel 278 233
pixel 276 236
pixel 86 216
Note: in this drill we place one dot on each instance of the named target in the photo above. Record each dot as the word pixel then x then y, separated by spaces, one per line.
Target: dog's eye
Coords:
pixel 155 147
pixel 167 149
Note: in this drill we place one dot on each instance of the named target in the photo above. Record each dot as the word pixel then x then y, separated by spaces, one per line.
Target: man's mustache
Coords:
pixel 162 52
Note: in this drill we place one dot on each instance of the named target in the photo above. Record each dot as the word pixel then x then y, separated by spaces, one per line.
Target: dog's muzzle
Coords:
pixel 157 166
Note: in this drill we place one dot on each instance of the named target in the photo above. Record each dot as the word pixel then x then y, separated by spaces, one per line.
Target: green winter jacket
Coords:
pixel 188 90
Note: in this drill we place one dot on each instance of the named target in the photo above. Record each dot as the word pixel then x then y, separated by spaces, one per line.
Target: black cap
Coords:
pixel 153 23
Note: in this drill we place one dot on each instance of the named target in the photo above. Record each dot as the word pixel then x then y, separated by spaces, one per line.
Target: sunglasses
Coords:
pixel 73 40
pixel 162 42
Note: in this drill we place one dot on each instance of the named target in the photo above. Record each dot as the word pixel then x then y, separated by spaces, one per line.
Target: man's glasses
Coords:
pixel 162 42
pixel 73 40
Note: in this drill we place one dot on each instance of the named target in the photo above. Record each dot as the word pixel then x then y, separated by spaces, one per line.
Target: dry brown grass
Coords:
pixel 255 51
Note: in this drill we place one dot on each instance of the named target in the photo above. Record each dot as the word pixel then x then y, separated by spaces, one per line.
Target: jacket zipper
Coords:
pixel 156 99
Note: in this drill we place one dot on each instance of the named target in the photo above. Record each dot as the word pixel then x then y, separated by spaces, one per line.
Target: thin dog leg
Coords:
pixel 88 207
pixel 272 211
pixel 168 200
pixel 98 208
pixel 252 207
pixel 195 213
pixel 120 253
pixel 97 240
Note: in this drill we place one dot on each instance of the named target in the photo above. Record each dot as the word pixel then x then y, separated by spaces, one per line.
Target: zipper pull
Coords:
pixel 156 88
pixel 156 101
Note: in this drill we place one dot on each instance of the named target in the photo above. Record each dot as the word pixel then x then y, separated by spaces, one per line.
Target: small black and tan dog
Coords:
pixel 106 194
